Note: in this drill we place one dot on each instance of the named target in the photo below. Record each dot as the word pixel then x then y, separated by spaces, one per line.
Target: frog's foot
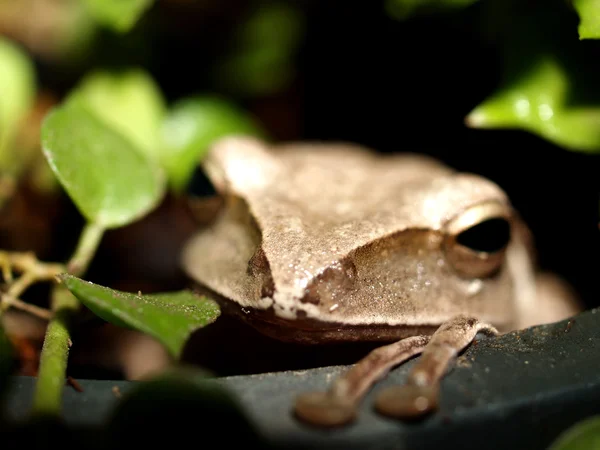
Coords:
pixel 339 404
pixel 419 395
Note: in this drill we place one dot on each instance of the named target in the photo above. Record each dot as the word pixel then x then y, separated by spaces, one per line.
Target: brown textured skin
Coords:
pixel 333 242
pixel 310 331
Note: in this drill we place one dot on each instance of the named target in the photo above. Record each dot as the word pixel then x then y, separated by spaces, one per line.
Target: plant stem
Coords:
pixel 47 399
pixel 16 289
pixel 53 360
pixel 17 303
pixel 19 286
pixel 86 249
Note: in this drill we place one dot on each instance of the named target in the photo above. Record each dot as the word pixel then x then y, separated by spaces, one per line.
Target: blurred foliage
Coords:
pixel 17 93
pixel 192 125
pixel 584 435
pixel 57 30
pixel 119 15
pixel 536 100
pixel 132 104
pixel 108 178
pixel 589 13
pixel 404 9
pixel 170 317
pixel 261 61
pixel 180 402
pixel 588 10
pixel 547 87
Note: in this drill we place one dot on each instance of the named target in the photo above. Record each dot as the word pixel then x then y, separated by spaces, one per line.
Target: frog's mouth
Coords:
pixel 306 330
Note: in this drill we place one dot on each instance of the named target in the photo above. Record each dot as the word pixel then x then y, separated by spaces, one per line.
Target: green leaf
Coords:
pixel 549 85
pixel 403 9
pixel 536 101
pixel 112 182
pixel 130 102
pixel 191 126
pixel 120 15
pixel 584 435
pixel 17 92
pixel 185 403
pixel 262 58
pixel 589 18
pixel 169 317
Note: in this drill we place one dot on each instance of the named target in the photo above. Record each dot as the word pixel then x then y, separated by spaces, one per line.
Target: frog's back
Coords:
pixel 336 184
pixel 342 181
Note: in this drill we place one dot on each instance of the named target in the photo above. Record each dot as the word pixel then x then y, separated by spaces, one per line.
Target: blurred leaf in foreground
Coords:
pixel 119 15
pixel 169 317
pixel 537 102
pixel 403 9
pixel 264 47
pixel 184 404
pixel 189 129
pixel 130 102
pixel 584 435
pixel 589 18
pixel 110 180
pixel 17 92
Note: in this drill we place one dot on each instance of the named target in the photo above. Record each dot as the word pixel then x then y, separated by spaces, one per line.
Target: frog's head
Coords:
pixel 331 241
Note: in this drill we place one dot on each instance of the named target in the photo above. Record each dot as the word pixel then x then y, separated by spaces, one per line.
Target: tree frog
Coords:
pixel 333 242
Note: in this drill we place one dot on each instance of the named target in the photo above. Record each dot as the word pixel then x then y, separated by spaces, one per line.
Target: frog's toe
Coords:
pixel 407 402
pixel 324 409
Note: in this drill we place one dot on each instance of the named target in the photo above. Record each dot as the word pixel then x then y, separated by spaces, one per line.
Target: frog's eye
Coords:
pixel 202 198
pixel 476 239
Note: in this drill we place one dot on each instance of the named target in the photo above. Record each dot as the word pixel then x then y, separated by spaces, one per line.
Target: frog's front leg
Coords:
pixel 419 395
pixel 338 405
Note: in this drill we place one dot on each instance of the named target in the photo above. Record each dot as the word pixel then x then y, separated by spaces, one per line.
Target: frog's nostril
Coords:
pixel 312 294
pixel 332 285
pixel 258 264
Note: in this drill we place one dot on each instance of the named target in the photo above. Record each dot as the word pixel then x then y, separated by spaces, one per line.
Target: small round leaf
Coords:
pixel 111 181
pixel 130 102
